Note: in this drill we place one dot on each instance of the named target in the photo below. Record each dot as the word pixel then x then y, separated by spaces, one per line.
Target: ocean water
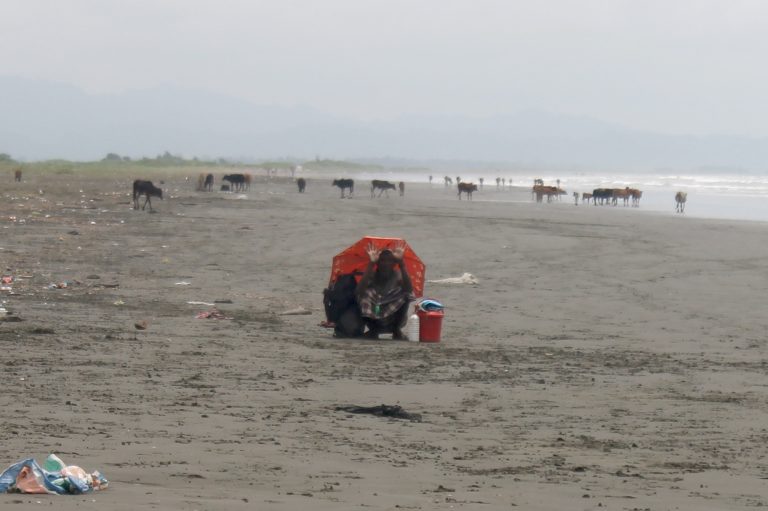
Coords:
pixel 732 196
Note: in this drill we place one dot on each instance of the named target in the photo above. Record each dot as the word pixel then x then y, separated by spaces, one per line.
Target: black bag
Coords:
pixel 341 306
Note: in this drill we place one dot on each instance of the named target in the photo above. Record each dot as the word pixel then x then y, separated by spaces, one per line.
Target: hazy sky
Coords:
pixel 693 66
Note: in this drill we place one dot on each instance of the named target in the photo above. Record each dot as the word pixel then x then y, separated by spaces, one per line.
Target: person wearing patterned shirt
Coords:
pixel 384 292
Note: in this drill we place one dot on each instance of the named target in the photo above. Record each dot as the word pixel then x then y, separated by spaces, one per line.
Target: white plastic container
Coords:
pixel 413 328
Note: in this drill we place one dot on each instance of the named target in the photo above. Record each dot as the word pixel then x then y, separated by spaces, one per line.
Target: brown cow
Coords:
pixel 401 187
pixel 381 186
pixel 620 193
pixel 550 191
pixel 467 188
pixel 586 197
pixel 17 175
pixel 636 194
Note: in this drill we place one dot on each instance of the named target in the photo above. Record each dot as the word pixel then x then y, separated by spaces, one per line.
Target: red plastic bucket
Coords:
pixel 430 324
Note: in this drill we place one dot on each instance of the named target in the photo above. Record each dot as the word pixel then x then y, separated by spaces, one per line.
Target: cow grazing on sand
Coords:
pixel 680 199
pixel 237 181
pixel 467 188
pixel 302 184
pixel 343 184
pixel 148 190
pixel 17 175
pixel 382 186
pixel 401 187
pixel 586 197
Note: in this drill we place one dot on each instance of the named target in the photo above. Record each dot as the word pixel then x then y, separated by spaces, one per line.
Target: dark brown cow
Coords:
pixel 382 186
pixel 604 195
pixel 467 188
pixel 302 184
pixel 236 181
pixel 147 189
pixel 343 184
pixel 17 175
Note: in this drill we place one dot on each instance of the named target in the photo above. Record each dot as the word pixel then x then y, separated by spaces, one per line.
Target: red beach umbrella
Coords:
pixel 355 259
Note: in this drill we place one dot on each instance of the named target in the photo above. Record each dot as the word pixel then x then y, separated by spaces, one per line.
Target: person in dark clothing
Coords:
pixel 384 292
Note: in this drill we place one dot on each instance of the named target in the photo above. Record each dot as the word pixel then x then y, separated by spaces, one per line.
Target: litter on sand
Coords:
pixel 467 278
pixel 393 411
pixel 298 311
pixel 54 477
pixel 62 285
pixel 211 314
pixel 207 304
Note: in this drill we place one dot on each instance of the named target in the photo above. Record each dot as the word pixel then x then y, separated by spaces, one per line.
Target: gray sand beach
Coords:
pixel 607 358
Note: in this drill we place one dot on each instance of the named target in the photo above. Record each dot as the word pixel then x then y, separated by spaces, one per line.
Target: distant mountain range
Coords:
pixel 44 120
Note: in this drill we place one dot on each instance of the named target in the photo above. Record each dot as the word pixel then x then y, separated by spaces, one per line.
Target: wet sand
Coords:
pixel 608 358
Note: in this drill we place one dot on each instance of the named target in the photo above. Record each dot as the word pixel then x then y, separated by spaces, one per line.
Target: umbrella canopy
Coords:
pixel 355 259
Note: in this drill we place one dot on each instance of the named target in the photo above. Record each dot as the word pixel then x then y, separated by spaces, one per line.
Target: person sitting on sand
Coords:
pixel 384 293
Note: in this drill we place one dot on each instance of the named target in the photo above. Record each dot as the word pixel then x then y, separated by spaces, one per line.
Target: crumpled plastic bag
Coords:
pixel 27 476
pixel 467 278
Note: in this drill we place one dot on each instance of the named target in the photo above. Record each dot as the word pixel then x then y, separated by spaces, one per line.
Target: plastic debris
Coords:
pixel 60 285
pixel 54 477
pixel 299 311
pixel 467 278
pixel 211 314
pixel 394 411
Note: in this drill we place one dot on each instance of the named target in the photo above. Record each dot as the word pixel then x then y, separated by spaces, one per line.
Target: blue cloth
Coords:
pixel 428 305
